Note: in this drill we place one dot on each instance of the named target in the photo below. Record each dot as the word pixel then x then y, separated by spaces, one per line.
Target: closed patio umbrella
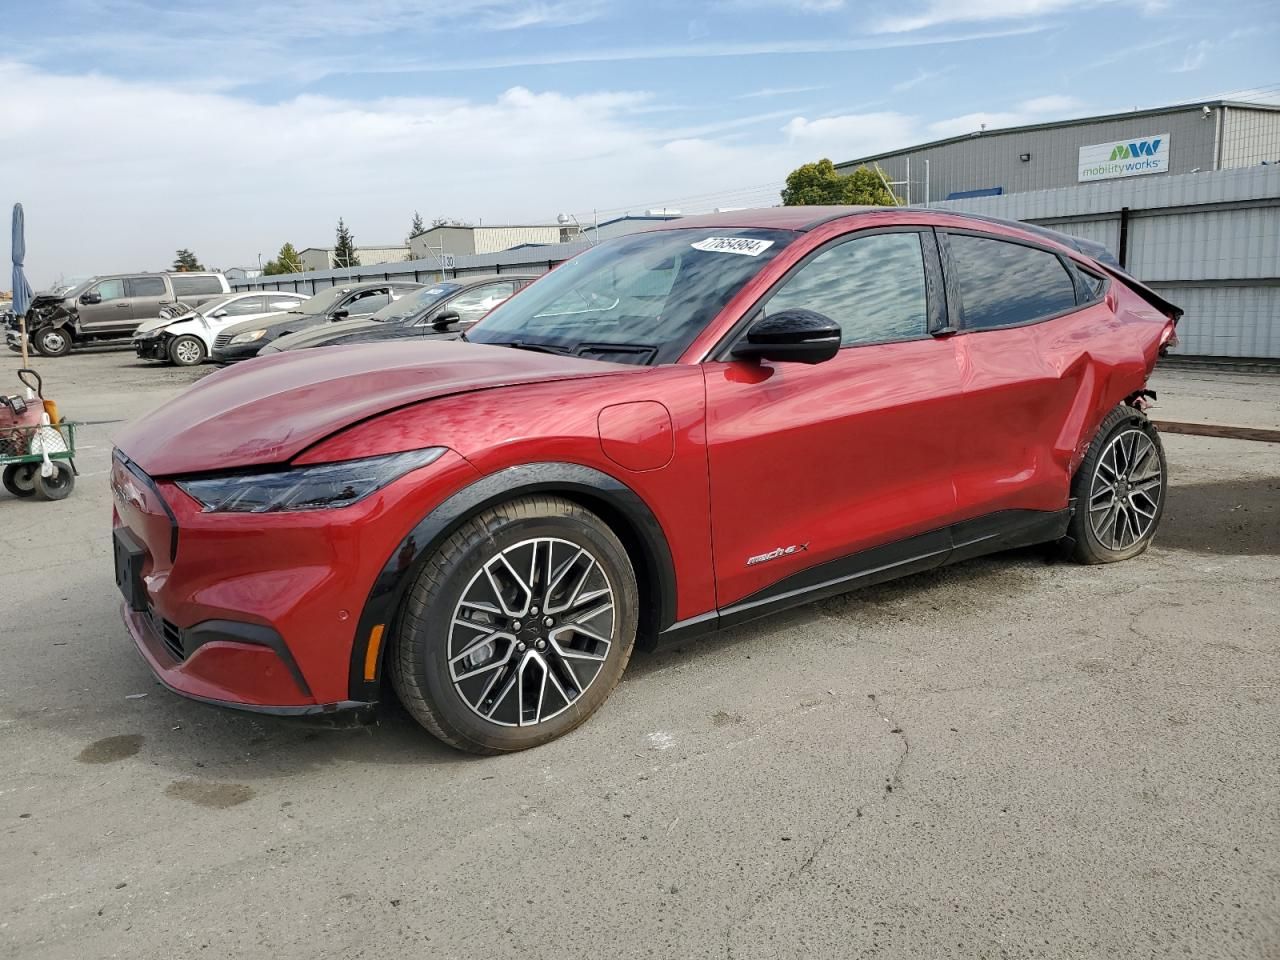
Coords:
pixel 21 289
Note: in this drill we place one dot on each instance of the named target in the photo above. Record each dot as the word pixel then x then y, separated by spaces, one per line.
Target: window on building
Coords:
pixel 872 286
pixel 1003 284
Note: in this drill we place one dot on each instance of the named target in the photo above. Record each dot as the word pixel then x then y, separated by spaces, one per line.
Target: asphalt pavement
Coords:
pixel 1008 758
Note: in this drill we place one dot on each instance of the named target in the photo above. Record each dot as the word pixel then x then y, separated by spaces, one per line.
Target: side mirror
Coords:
pixel 90 297
pixel 796 336
pixel 442 320
pixel 340 314
pixel 219 314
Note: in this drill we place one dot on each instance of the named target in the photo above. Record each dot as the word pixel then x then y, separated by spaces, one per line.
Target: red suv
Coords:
pixel 674 431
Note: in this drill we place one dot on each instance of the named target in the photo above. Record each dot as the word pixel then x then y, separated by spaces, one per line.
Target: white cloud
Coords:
pixel 267 173
pixel 1053 103
pixel 921 77
pixel 938 12
pixel 843 138
pixel 1194 57
pixel 776 92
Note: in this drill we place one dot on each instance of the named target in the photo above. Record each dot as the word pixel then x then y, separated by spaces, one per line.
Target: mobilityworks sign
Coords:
pixel 1125 158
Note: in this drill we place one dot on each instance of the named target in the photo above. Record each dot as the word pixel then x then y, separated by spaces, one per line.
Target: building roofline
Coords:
pixel 1053 124
pixel 498 226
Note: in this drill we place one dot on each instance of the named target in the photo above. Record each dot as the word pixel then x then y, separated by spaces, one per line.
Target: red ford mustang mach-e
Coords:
pixel 674 431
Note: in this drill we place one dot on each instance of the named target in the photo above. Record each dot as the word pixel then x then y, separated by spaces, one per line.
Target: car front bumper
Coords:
pixel 232 352
pixel 260 611
pixel 152 348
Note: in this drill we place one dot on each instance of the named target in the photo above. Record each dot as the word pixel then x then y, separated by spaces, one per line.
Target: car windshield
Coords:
pixel 207 309
pixel 322 302
pixel 637 299
pixel 412 304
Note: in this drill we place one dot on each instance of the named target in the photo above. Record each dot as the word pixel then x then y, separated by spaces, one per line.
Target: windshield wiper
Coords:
pixel 536 347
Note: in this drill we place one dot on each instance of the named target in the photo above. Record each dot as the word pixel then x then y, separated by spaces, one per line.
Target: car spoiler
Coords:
pixel 1101 255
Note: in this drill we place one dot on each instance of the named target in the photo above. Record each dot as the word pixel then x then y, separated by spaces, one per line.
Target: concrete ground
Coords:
pixel 1009 758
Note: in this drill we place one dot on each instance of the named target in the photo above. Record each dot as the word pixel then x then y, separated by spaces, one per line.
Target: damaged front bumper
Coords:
pixel 154 347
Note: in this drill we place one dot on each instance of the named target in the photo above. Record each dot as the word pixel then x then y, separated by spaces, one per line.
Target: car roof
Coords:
pixel 769 218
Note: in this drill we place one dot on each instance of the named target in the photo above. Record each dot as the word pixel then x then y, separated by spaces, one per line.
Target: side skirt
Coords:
pixel 1006 530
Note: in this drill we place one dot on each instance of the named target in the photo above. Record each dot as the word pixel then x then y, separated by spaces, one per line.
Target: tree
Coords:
pixel 286 261
pixel 186 261
pixel 416 227
pixel 344 249
pixel 819 183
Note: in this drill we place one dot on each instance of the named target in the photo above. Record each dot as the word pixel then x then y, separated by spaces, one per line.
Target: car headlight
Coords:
pixel 249 336
pixel 305 488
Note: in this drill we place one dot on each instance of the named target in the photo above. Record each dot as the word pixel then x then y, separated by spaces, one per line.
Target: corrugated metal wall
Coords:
pixel 1209 241
pixel 1249 137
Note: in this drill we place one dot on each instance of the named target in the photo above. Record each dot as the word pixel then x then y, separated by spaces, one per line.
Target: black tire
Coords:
pixel 52 342
pixel 187 351
pixel 1124 493
pixel 59 484
pixel 19 479
pixel 419 655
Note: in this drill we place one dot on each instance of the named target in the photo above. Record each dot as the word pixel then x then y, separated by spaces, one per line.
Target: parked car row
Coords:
pixel 226 327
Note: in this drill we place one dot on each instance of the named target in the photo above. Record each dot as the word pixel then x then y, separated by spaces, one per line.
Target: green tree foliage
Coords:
pixel 344 248
pixel 185 262
pixel 820 183
pixel 286 261
pixel 416 227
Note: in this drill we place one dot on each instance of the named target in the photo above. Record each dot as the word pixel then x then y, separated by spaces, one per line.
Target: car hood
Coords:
pixel 157 322
pixel 276 322
pixel 270 409
pixel 319 335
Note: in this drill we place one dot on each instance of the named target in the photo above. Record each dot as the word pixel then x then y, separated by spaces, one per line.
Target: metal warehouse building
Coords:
pixel 1187 197
pixel 1215 135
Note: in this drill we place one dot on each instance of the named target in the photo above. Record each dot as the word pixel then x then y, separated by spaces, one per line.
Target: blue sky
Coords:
pixel 135 127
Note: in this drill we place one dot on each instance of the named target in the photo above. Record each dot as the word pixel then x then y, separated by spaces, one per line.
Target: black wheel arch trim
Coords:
pixel 620 506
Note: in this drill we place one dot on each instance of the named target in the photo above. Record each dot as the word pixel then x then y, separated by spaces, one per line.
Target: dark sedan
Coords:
pixel 343 302
pixel 441 309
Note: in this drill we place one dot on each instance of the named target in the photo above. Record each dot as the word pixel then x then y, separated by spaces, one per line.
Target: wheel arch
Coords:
pixel 617 504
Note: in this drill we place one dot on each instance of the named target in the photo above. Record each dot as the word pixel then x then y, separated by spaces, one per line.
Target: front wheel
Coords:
pixel 52 342
pixel 187 351
pixel 518 628
pixel 1119 490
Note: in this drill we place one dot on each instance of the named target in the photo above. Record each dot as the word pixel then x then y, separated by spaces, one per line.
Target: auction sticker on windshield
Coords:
pixel 745 246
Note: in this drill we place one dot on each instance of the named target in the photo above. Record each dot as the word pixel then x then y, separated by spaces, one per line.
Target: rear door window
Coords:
pixel 1004 284
pixel 147 287
pixel 195 286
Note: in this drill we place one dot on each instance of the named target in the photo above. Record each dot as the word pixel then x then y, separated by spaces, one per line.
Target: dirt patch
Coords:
pixel 203 793
pixel 722 718
pixel 111 749
pixel 1231 517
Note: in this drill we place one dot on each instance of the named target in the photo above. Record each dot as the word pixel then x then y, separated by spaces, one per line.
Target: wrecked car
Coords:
pixel 675 431
pixel 185 337
pixel 107 309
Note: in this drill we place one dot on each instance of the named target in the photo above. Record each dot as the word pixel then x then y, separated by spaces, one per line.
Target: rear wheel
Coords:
pixel 20 479
pixel 59 484
pixel 52 342
pixel 187 351
pixel 518 628
pixel 1119 490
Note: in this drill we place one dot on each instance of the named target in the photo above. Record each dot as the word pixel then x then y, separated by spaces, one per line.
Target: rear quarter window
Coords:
pixel 1004 284
pixel 195 286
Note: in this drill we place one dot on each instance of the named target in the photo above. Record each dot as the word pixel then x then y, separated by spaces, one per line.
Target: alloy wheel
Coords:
pixel 187 352
pixel 531 632
pixel 1124 497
